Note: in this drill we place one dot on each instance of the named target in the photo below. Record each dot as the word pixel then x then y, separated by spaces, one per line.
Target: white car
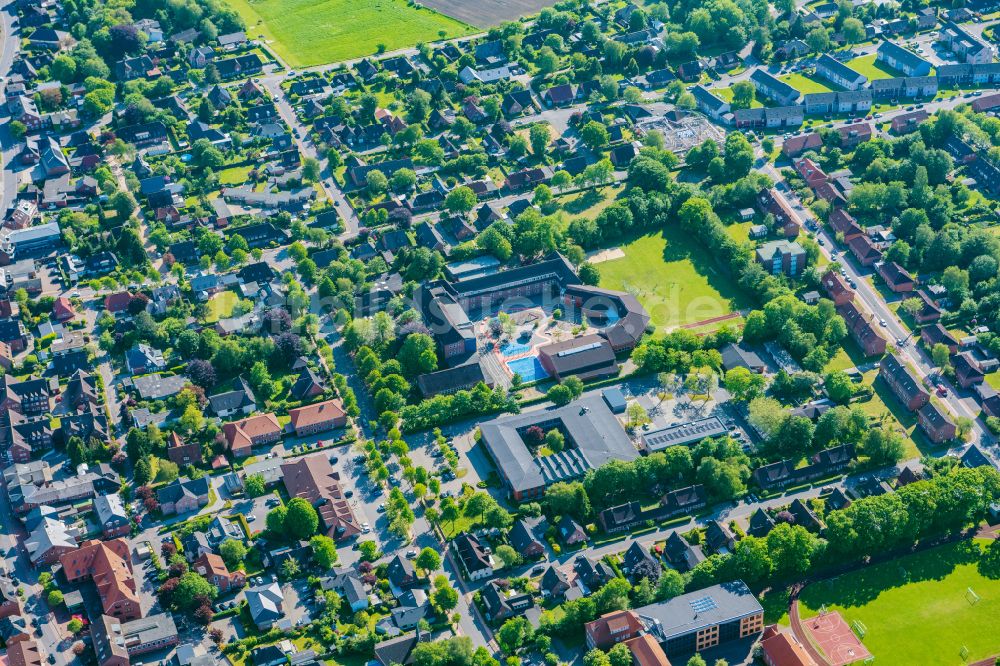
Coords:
pixel 881 322
pixel 365 528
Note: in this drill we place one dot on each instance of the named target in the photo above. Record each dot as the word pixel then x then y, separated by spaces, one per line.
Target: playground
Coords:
pixel 831 633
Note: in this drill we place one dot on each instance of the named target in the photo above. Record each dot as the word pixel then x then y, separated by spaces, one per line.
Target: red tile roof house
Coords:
pixel 938 334
pixel 314 479
pixel 904 384
pixel 810 172
pixel 62 309
pixel 843 223
pixel 837 289
pixel 241 436
pixel 770 201
pixel 936 423
pixel 864 250
pixel 319 417
pixel 896 278
pixel 211 567
pixel 863 331
pixel 796 145
pixel 107 564
pixel 24 653
pixel 117 303
pixel 181 453
pixel 612 628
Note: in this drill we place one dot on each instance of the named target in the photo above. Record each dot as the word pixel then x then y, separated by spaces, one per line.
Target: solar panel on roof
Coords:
pixel 703 604
pixel 582 348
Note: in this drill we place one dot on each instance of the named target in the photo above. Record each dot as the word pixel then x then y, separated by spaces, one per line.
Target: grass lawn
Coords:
pixel 727 94
pixel 673 278
pixel 740 231
pixel 807 84
pixel 915 608
pixel 315 32
pixel 993 379
pixel 873 70
pixel 234 175
pixel 221 306
pixel 589 204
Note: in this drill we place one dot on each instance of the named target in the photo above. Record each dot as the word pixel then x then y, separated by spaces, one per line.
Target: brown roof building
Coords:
pixel 837 289
pixel 181 453
pixel 107 564
pixel 319 417
pixel 936 423
pixel 896 278
pixel 612 628
pixel 904 384
pixel 647 652
pixel 241 436
pixel 24 653
pixel 863 330
pixel 212 568
pixel 864 250
pixel 783 649
pixel 843 223
pixel 938 334
pixel 314 479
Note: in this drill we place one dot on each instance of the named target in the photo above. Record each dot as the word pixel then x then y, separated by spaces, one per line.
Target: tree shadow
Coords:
pixel 989 563
pixel 863 586
pixel 586 201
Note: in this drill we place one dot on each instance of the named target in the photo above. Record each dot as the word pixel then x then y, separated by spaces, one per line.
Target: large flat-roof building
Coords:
pixel 683 434
pixel 687 623
pixel 593 436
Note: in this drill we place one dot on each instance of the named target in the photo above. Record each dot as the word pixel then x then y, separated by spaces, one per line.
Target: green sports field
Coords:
pixel 673 278
pixel 316 32
pixel 916 609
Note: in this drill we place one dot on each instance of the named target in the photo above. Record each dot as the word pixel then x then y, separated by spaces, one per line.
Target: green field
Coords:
pixel 916 609
pixel 807 84
pixel 727 94
pixel 221 306
pixel 873 70
pixel 316 32
pixel 674 280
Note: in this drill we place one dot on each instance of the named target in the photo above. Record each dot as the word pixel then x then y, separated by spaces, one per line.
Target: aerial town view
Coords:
pixel 499 332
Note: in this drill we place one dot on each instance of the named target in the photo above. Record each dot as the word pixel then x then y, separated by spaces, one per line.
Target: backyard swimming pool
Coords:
pixel 529 368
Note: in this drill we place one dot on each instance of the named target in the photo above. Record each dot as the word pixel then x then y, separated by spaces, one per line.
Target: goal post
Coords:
pixel 971 596
pixel 859 628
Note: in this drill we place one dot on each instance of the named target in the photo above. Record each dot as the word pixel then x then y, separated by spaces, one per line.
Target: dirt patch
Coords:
pixel 487 13
pixel 606 255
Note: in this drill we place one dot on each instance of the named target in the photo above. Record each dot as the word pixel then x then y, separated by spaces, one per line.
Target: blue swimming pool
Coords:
pixel 514 349
pixel 529 368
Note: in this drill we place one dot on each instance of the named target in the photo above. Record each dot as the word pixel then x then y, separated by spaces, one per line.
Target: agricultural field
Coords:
pixel 487 13
pixel 311 32
pixel 673 279
pixel 918 609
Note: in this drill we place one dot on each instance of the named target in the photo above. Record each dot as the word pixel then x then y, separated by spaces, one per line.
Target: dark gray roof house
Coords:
pixel 594 436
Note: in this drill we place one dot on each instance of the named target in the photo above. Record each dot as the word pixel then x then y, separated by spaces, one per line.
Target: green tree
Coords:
pixel 254 485
pixel 54 598
pixel 376 182
pixel 233 552
pixel 514 634
pixel 744 385
pixel 595 135
pixel 324 551
pixel 190 588
pixel 428 560
pixel 539 135
pixel 18 129
pixel 301 519
pixel 460 200
pixel 839 387
pixel 743 95
pixel 276 520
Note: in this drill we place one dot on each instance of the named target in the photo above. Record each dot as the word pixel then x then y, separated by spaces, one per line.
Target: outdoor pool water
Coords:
pixel 529 367
pixel 514 349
